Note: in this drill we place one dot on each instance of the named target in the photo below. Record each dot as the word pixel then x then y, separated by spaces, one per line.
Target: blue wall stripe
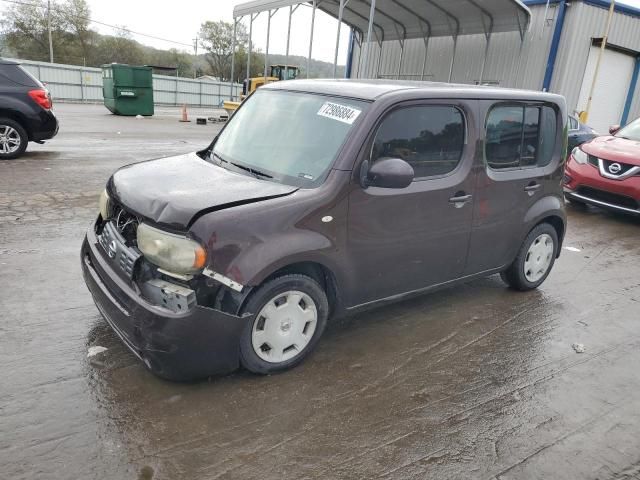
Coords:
pixel 347 70
pixel 555 44
pixel 631 93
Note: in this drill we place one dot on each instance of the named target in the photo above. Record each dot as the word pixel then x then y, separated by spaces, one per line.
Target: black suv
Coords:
pixel 25 111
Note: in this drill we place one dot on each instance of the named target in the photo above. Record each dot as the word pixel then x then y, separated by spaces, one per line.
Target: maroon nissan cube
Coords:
pixel 317 199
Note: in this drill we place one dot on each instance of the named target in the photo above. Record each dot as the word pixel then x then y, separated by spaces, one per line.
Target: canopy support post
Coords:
pixel 487 34
pixel 372 12
pixel 266 53
pixel 335 55
pixel 252 17
pixel 233 57
pixel 455 20
pixel 453 56
pixel 360 43
pixel 401 58
pixel 313 21
pixel 380 44
pixel 425 39
pixel 286 59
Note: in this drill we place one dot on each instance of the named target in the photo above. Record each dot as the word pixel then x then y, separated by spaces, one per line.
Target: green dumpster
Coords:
pixel 127 89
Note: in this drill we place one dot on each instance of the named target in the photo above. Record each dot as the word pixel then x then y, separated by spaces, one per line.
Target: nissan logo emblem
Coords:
pixel 615 168
pixel 113 249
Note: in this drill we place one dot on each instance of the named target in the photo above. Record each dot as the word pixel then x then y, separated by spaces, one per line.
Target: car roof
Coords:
pixel 7 62
pixel 374 89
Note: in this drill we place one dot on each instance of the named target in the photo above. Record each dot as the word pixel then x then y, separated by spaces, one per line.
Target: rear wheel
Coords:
pixel 535 259
pixel 13 139
pixel 290 315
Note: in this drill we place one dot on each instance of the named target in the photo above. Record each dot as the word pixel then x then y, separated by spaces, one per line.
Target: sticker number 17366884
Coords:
pixel 342 113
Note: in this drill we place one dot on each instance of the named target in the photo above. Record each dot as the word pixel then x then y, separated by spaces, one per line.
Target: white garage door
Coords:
pixel 611 90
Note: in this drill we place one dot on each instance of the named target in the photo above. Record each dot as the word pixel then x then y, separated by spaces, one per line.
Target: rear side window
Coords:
pixel 430 138
pixel 520 136
pixel 17 75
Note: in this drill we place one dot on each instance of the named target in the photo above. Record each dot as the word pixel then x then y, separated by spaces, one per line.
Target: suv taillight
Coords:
pixel 41 97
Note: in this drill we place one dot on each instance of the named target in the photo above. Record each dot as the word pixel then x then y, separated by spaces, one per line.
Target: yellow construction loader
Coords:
pixel 277 73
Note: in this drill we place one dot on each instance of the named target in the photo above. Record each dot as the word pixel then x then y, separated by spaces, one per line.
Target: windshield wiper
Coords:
pixel 215 155
pixel 256 173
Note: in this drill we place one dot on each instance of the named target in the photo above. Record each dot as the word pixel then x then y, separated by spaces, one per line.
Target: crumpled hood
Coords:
pixel 614 148
pixel 173 191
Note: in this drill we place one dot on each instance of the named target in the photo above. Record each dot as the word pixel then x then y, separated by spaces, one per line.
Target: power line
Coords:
pixel 91 20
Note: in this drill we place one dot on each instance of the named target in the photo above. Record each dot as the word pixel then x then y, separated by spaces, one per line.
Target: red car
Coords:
pixel 605 171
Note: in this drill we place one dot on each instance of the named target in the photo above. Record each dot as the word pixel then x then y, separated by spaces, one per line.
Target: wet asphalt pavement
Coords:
pixel 472 382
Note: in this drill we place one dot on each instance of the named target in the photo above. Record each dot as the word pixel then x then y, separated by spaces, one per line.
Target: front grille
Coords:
pixel 114 245
pixel 592 160
pixel 624 167
pixel 608 197
pixel 126 223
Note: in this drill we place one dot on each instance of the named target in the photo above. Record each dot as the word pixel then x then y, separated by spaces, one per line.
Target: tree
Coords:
pixel 75 15
pixel 120 48
pixel 26 29
pixel 217 40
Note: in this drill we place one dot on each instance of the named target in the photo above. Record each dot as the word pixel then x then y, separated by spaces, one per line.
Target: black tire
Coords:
pixel 24 138
pixel 259 299
pixel 515 275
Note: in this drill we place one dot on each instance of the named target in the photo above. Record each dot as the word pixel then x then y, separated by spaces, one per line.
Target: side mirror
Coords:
pixel 387 173
pixel 613 129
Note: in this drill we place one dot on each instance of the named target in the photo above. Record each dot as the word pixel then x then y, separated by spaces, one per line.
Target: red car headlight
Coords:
pixel 579 156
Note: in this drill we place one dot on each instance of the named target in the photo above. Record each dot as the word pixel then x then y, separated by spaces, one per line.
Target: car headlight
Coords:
pixel 579 156
pixel 104 203
pixel 169 251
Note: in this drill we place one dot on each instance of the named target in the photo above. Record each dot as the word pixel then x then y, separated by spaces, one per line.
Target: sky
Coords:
pixel 180 22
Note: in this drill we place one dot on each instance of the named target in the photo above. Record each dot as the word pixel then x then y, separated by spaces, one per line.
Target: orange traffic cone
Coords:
pixel 184 114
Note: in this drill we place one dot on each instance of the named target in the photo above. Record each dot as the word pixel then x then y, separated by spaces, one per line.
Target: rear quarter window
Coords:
pixel 15 74
pixel 520 136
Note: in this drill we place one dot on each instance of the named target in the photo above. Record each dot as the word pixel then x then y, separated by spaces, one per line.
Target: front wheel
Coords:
pixel 290 314
pixel 13 139
pixel 535 259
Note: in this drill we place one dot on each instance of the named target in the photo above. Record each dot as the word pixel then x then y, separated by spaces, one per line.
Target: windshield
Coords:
pixel 286 137
pixel 631 131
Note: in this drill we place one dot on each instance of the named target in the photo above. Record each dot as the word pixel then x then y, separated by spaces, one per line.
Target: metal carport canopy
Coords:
pixel 406 19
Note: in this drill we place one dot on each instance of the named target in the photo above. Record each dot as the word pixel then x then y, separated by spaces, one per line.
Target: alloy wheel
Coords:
pixel 9 139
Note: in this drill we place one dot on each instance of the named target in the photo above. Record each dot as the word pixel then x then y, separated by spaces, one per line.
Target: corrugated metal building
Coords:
pixel 558 54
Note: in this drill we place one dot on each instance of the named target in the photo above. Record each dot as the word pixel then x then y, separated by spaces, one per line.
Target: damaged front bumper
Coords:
pixel 177 346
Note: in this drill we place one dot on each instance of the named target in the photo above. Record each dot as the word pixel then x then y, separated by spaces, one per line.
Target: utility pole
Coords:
pixel 49 28
pixel 584 116
pixel 195 60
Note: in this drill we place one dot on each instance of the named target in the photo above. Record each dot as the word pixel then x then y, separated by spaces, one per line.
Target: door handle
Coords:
pixel 460 199
pixel 532 188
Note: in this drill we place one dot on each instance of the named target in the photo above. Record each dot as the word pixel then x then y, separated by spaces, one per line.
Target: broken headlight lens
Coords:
pixel 104 203
pixel 171 252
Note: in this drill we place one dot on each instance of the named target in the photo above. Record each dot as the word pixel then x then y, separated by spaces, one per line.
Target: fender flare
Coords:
pixel 548 206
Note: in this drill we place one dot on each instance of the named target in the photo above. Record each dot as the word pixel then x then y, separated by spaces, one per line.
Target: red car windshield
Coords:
pixel 631 131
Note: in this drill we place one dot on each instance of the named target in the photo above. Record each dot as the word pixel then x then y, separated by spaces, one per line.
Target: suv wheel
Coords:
pixel 535 259
pixel 13 139
pixel 291 314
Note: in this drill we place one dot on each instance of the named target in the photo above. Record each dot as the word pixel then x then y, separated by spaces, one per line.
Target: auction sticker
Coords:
pixel 342 113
